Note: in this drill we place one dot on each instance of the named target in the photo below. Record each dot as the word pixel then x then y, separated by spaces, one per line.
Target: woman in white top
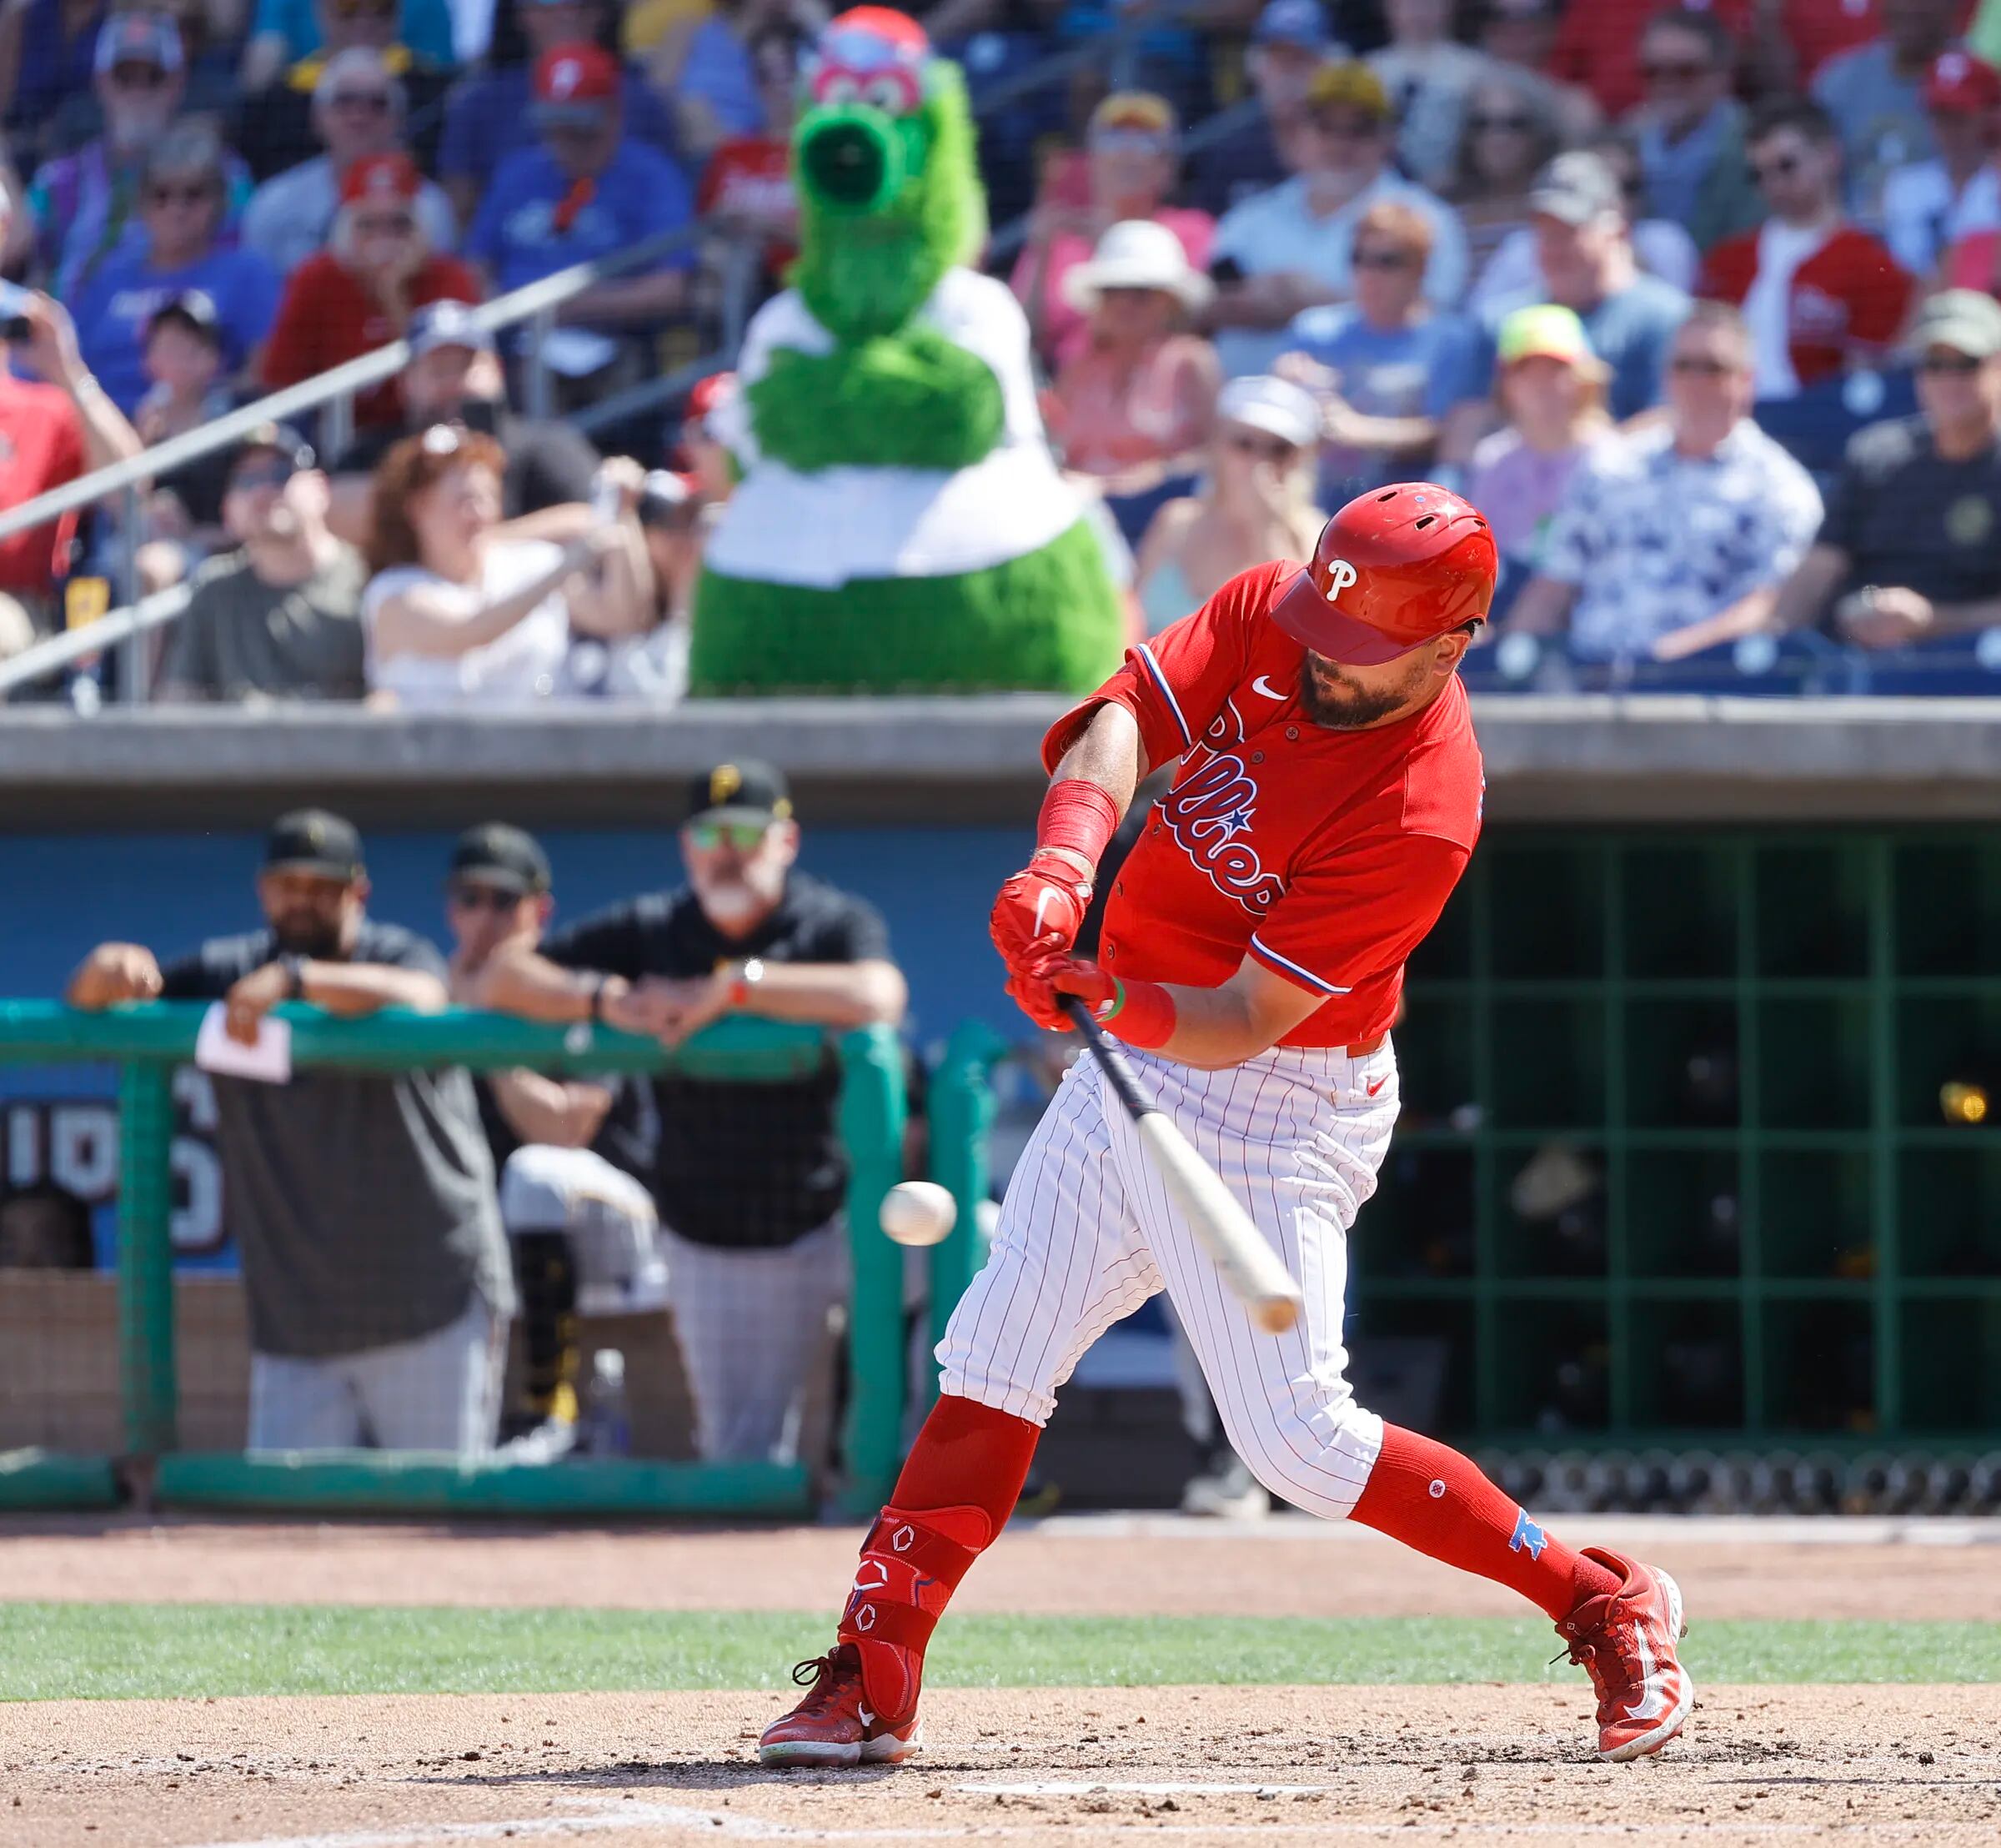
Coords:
pixel 459 613
pixel 1255 502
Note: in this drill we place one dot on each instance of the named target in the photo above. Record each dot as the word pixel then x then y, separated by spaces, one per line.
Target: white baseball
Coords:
pixel 918 1212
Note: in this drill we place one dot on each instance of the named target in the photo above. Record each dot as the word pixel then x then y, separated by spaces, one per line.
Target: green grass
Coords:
pixel 56 1651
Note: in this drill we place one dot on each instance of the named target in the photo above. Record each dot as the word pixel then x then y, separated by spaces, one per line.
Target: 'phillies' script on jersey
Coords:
pixel 1326 855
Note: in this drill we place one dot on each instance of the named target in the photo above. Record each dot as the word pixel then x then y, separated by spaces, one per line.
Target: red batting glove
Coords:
pixel 1141 1013
pixel 1039 984
pixel 1040 910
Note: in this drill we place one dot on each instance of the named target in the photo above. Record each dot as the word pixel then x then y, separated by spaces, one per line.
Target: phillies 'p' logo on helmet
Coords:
pixel 1395 568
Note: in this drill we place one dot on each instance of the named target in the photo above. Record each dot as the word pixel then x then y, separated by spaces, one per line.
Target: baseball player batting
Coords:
pixel 1327 800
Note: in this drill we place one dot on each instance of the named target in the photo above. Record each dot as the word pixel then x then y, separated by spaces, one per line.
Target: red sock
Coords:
pixel 959 1483
pixel 1437 1501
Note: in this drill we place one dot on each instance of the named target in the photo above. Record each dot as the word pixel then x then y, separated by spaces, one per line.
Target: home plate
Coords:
pixel 1080 1787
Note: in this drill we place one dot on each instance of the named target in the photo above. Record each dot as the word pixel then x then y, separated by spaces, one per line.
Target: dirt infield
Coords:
pixel 1104 1566
pixel 1911 1765
pixel 1889 1764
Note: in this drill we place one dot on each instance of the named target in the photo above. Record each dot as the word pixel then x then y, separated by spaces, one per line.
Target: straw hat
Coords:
pixel 1137 254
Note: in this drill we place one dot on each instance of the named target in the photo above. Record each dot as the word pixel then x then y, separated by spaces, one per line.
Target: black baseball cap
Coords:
pixel 314 841
pixel 195 309
pixel 508 858
pixel 744 789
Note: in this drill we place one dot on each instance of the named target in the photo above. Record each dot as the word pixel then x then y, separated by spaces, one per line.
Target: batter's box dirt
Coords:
pixel 1473 1765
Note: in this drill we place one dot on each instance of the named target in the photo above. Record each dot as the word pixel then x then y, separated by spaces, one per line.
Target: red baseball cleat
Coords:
pixel 1625 1640
pixel 833 1724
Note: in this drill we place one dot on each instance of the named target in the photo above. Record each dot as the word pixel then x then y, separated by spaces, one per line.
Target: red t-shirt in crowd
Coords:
pixel 40 447
pixel 1849 292
pixel 751 175
pixel 1326 855
pixel 327 315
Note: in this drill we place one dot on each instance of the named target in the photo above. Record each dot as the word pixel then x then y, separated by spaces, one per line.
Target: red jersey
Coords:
pixel 40 447
pixel 1326 855
pixel 752 174
pixel 1850 293
pixel 327 316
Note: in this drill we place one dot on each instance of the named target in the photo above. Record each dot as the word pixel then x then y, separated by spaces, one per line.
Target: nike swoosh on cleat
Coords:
pixel 868 1718
pixel 1654 1703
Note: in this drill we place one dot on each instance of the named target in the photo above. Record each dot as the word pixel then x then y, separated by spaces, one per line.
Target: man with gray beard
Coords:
pixel 750 1177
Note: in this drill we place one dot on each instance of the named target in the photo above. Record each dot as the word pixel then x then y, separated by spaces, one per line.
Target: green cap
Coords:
pixel 1967 320
pixel 1545 332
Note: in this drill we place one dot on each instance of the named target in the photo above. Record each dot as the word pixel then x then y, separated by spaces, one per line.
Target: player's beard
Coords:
pixel 1333 701
pixel 310 934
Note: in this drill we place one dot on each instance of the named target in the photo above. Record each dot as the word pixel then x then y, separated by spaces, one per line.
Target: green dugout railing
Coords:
pixel 148 1041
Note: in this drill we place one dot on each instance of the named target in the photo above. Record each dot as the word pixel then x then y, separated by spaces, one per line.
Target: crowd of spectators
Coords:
pixel 1468 236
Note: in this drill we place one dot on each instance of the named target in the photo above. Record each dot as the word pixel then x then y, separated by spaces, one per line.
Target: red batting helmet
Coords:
pixel 1394 569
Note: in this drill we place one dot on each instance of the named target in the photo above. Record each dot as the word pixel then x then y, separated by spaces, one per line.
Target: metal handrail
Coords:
pixel 352 375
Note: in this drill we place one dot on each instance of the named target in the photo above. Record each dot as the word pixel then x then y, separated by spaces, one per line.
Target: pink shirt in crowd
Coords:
pixel 1106 416
pixel 1064 336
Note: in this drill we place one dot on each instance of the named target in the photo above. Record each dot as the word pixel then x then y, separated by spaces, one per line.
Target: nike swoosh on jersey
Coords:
pixel 1654 1703
pixel 1259 686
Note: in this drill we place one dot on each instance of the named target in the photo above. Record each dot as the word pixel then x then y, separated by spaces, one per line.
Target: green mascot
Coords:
pixel 899 525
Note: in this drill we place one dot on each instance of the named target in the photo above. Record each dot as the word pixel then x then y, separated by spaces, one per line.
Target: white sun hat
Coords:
pixel 1276 406
pixel 1137 254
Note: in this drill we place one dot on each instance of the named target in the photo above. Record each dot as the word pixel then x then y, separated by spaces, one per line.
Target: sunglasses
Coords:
pixel 1692 366
pixel 1128 141
pixel 1349 127
pixel 1954 364
pixel 1504 124
pixel 470 895
pixel 385 224
pixel 137 77
pixel 1266 449
pixel 374 102
pixel 365 9
pixel 1674 70
pixel 1385 259
pixel 1782 166
pixel 195 193
pixel 743 836
pixel 261 474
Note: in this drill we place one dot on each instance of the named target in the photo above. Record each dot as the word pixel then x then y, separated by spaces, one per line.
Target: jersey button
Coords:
pixel 1291 731
pixel 1258 756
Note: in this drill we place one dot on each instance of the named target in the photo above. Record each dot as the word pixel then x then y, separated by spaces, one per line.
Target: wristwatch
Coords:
pixel 748 974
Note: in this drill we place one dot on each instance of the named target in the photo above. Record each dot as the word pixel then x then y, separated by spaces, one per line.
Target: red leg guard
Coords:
pixel 958 1487
pixel 1437 1501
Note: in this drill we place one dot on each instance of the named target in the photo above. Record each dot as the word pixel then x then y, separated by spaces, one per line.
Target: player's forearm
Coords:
pixel 355 988
pixel 521 982
pixel 825 994
pixel 1108 755
pixel 541 1109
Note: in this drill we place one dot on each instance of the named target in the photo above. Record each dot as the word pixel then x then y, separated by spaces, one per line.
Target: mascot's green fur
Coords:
pixel 900 525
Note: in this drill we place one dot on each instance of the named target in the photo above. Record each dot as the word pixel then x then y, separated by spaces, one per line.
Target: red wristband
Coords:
pixel 1141 1013
pixel 1078 816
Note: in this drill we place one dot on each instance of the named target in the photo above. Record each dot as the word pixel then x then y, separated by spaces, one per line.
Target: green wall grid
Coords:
pixel 1853 971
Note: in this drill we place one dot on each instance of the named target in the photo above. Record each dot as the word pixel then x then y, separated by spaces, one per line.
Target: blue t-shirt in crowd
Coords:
pixel 1631 332
pixel 1417 371
pixel 54 67
pixel 717 67
pixel 113 311
pixel 424 26
pixel 640 194
pixel 487 119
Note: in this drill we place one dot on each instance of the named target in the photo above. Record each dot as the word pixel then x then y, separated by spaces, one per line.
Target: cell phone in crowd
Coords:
pixel 16 328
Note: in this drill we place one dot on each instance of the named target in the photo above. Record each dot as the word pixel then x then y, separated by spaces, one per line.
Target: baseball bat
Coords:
pixel 1256 1274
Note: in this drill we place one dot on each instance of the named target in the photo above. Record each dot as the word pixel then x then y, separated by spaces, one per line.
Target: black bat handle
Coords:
pixel 1117 1073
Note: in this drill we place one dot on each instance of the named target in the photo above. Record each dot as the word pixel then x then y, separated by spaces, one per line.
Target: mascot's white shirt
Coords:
pixel 819 530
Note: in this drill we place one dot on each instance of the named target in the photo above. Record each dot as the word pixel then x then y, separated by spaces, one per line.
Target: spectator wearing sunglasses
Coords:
pixel 1691 130
pixel 1506 135
pixel 572 1155
pixel 1819 294
pixel 1676 537
pixel 750 1178
pixel 1429 75
pixel 362 292
pixel 85 205
pixel 280 618
pixel 1255 501
pixel 358 112
pixel 276 125
pixel 182 205
pixel 1910 551
pixel 1387 367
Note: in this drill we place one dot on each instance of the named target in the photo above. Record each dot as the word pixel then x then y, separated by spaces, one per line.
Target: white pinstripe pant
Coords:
pixel 1087 1234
